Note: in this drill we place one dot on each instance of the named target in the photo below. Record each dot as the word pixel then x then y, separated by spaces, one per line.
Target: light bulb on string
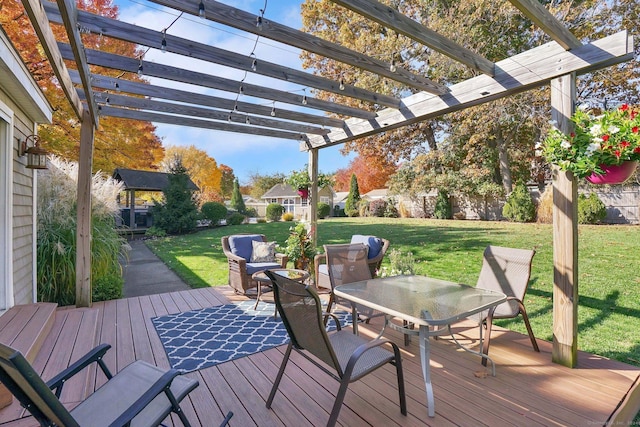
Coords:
pixel 241 90
pixel 163 44
pixel 304 98
pixel 117 86
pixel 254 65
pixel 235 107
pixel 341 84
pixel 273 110
pixel 140 69
pixel 247 121
pixel 201 12
pixel 393 67
pixel 229 118
pixel 259 22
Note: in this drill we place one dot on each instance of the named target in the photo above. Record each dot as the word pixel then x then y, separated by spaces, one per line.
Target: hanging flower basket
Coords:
pixel 613 174
pixel 303 192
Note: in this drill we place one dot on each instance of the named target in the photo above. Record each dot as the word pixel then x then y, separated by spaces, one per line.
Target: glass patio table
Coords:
pixel 431 304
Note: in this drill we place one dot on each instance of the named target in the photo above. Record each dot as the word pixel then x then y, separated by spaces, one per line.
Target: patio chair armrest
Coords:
pixel 163 384
pixel 282 259
pixel 317 260
pixel 235 258
pixel 361 349
pixel 94 355
pixel 335 319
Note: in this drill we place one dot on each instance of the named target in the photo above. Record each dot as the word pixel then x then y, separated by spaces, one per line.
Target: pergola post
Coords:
pixel 313 195
pixel 83 237
pixel 565 235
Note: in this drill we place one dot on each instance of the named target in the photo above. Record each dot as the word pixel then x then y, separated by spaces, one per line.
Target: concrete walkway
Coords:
pixel 146 274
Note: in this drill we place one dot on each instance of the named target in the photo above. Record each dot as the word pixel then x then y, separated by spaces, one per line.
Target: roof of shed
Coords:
pixel 145 180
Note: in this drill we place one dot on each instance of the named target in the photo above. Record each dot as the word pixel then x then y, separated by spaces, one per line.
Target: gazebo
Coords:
pixel 556 63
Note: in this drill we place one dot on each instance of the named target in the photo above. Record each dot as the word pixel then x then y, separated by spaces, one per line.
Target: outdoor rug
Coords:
pixel 201 338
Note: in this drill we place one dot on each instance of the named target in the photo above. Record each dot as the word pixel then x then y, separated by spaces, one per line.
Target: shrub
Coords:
pixel 262 220
pixel 401 263
pixel 545 206
pixel 443 206
pixel 391 211
pixel 155 232
pixel 377 208
pixel 287 216
pixel 251 212
pixel 213 211
pixel 519 206
pixel 235 218
pixel 591 210
pixel 107 287
pixel 323 210
pixel 404 211
pixel 274 211
pixel 363 208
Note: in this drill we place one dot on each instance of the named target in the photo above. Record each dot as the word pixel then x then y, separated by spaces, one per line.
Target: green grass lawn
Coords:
pixel 609 278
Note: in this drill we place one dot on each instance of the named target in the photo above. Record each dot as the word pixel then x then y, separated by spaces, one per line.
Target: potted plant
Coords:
pixel 300 180
pixel 299 246
pixel 604 148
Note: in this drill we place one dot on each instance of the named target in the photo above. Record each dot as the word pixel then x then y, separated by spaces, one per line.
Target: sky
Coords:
pixel 245 154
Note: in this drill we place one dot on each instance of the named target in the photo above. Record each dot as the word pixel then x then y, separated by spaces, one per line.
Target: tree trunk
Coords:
pixel 503 160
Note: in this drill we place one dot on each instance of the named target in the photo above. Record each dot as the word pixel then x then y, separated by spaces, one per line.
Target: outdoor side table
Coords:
pixel 263 280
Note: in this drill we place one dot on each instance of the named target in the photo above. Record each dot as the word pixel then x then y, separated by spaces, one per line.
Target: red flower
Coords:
pixel 633 114
pixel 636 150
pixel 572 134
pixel 624 144
pixel 634 129
pixel 624 107
pixel 617 153
pixel 605 138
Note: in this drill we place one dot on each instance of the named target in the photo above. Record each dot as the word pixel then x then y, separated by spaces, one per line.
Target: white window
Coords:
pixel 305 201
pixel 288 205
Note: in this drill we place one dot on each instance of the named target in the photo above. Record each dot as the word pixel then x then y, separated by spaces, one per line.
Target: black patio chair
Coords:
pixel 348 356
pixel 139 395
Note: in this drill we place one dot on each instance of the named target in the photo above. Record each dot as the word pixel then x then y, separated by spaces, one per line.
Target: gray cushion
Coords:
pixel 374 243
pixel 263 252
pixel 254 267
pixel 242 245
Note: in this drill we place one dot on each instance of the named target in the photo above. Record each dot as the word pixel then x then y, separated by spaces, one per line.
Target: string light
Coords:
pixel 117 86
pixel 247 121
pixel 229 118
pixel 341 87
pixel 201 12
pixel 273 110
pixel 140 69
pixel 259 19
pixel 163 45
pixel 235 107
pixel 304 97
pixel 254 65
pixel 106 101
pixel 393 67
pixel 241 89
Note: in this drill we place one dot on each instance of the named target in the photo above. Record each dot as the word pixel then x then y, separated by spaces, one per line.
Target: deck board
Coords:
pixel 528 389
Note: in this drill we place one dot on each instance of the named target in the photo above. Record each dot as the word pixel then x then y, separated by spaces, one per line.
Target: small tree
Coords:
pixel 237 203
pixel 443 206
pixel 351 207
pixel 519 206
pixel 323 210
pixel 178 213
pixel 591 210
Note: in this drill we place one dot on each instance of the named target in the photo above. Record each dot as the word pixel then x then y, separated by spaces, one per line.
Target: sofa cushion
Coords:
pixel 374 243
pixel 323 269
pixel 254 267
pixel 242 245
pixel 263 252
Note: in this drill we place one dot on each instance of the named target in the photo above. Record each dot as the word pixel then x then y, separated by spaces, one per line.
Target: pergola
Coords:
pixel 556 62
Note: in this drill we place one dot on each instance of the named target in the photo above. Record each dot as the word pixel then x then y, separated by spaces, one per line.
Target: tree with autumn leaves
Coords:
pixel 481 150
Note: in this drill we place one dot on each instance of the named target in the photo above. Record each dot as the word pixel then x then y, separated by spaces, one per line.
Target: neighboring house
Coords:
pixel 340 199
pixel 22 107
pixel 379 194
pixel 293 202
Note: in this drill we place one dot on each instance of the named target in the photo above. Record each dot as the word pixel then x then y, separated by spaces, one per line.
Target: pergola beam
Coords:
pixel 145 37
pixel 519 73
pixel 123 63
pixel 236 18
pixel 114 84
pixel 542 18
pixel 391 18
pixel 41 25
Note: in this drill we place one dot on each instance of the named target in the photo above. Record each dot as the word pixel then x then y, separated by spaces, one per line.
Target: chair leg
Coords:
pixel 525 317
pixel 276 383
pixel 337 405
pixel 487 339
pixel 401 392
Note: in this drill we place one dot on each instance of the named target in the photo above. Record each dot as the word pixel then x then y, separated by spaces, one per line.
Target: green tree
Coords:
pixel 178 212
pixel 226 181
pixel 519 206
pixel 237 202
pixel 260 184
pixel 351 205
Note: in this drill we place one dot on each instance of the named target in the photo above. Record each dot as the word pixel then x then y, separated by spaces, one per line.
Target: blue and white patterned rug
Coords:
pixel 201 338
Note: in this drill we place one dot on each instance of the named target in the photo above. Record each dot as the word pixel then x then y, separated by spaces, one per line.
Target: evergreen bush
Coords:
pixel 391 211
pixel 236 218
pixel 519 206
pixel 443 206
pixel 213 211
pixel 323 210
pixel 591 210
pixel 178 212
pixel 274 211
pixel 237 202
pixel 351 206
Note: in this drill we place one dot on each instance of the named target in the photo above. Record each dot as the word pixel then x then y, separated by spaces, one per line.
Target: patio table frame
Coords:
pixel 431 304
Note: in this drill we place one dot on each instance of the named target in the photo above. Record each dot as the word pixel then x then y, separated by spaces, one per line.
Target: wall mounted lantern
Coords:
pixel 36 156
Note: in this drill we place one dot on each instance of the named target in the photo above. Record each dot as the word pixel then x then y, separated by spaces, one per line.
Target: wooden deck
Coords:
pixel 528 389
